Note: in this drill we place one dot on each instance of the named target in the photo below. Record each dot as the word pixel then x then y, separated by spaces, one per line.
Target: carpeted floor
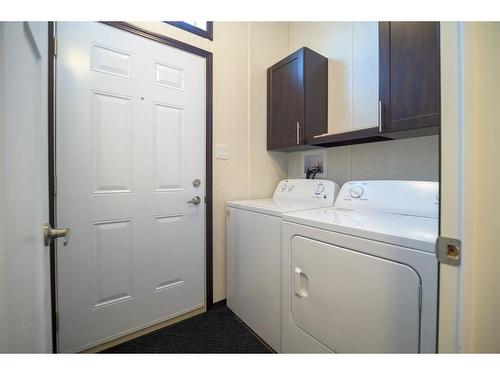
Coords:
pixel 216 331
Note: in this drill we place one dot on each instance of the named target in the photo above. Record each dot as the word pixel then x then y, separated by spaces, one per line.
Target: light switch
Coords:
pixel 221 151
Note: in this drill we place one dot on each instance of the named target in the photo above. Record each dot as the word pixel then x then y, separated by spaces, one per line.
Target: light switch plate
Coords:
pixel 222 151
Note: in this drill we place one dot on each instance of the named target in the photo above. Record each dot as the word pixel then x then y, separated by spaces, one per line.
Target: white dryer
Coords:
pixel 362 276
pixel 254 252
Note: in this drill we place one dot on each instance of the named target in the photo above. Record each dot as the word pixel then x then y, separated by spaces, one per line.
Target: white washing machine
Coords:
pixel 362 276
pixel 254 252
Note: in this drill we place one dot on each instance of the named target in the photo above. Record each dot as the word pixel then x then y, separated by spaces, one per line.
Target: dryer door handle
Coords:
pixel 300 283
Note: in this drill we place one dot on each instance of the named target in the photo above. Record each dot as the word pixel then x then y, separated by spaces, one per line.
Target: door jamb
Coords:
pixel 51 127
pixel 208 156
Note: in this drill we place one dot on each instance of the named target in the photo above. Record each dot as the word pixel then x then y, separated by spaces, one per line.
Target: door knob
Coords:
pixel 196 200
pixel 50 233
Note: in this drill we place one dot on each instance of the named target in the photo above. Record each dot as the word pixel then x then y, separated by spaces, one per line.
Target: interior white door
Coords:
pixel 353 302
pixel 25 319
pixel 130 143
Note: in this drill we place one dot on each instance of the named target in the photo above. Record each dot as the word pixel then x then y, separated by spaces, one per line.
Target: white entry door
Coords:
pixel 130 144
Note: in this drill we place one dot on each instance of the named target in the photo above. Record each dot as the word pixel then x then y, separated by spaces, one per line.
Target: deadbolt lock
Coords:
pixel 196 182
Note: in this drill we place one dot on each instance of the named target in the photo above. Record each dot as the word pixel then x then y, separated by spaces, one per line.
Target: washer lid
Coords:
pixel 277 207
pixel 403 230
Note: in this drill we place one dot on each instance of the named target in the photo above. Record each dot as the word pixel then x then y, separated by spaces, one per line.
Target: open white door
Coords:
pixel 25 320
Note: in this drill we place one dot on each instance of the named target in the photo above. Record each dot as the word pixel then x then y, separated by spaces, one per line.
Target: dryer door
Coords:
pixel 353 302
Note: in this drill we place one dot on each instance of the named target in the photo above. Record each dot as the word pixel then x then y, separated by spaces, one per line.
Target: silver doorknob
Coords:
pixel 50 233
pixel 196 200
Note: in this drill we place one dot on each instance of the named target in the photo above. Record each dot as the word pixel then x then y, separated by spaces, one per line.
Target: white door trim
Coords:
pixel 457 183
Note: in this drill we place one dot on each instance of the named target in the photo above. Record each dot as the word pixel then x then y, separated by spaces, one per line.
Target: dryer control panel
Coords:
pixel 419 198
pixel 303 189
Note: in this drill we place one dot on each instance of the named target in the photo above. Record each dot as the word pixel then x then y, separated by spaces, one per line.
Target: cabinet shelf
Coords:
pixel 370 135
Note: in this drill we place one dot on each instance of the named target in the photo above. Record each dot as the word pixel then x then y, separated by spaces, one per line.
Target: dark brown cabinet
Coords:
pixel 297 94
pixel 409 76
pixel 409 86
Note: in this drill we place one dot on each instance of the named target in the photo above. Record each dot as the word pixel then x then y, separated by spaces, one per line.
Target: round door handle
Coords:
pixel 196 200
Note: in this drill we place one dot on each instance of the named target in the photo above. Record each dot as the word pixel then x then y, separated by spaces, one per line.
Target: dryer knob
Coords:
pixel 356 191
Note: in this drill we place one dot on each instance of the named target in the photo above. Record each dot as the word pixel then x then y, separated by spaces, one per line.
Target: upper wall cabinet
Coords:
pixel 296 100
pixel 383 79
pixel 410 75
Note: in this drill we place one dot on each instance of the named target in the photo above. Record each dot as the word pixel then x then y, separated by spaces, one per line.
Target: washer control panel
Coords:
pixel 306 189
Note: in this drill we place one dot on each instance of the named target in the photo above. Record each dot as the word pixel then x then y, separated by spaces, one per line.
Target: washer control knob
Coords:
pixel 283 187
pixel 356 191
pixel 319 188
pixel 290 187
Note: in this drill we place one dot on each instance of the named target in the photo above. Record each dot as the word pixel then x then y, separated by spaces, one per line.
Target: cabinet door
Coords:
pixel 365 80
pixel 286 103
pixel 409 75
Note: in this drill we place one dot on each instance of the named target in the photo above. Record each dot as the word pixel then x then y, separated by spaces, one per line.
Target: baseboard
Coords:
pixel 144 331
pixel 221 303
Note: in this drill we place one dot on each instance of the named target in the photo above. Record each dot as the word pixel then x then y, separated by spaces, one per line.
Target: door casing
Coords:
pixel 208 157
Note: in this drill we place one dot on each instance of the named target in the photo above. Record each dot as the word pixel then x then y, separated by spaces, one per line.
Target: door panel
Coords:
pixel 410 78
pixel 130 141
pixel 286 102
pixel 352 302
pixel 364 75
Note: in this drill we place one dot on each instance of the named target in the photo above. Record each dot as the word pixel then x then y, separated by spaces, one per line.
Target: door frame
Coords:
pixel 208 56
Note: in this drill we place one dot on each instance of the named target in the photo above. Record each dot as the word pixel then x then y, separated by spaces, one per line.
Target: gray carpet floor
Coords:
pixel 215 331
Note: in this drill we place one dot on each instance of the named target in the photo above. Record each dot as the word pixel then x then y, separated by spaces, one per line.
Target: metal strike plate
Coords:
pixel 449 251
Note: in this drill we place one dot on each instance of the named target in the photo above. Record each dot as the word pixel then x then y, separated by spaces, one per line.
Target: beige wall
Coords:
pixel 242 52
pixel 486 125
pixel 268 44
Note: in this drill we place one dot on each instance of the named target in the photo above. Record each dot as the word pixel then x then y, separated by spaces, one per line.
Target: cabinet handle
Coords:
pixel 380 116
pixel 298 133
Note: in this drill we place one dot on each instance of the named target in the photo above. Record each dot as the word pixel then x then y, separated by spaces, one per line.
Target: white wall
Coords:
pixel 405 159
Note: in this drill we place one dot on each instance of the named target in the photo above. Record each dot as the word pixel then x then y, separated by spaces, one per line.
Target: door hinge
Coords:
pixel 420 291
pixel 449 251
pixel 54 42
